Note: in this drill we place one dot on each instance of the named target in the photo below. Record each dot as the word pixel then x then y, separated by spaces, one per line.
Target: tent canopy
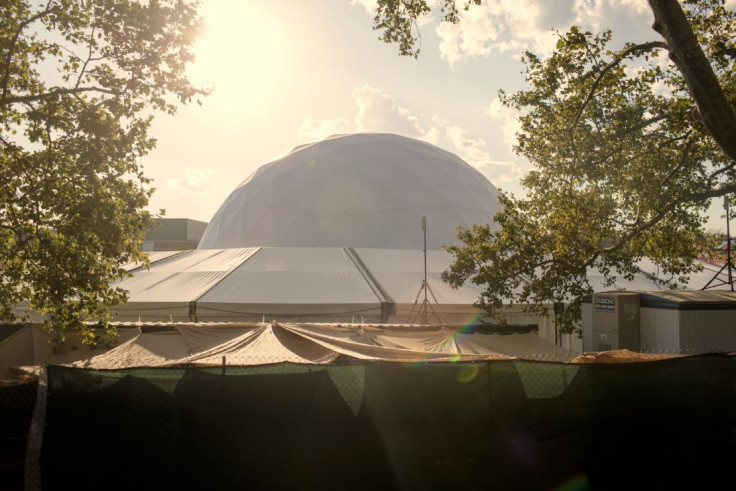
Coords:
pixel 267 343
pixel 315 284
pixel 293 283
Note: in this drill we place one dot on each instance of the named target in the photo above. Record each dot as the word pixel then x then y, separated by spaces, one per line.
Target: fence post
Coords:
pixel 32 475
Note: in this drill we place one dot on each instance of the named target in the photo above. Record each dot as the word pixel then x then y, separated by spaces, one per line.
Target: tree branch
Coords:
pixel 683 159
pixel 722 170
pixel 11 48
pixel 56 92
pixel 89 57
pixel 642 125
pixel 619 58
pixel 9 145
pixel 700 196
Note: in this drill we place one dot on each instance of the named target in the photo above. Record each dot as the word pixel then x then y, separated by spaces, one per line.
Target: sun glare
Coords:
pixel 242 55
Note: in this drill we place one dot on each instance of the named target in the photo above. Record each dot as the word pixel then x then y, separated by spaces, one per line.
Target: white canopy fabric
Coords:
pixel 527 345
pixel 165 290
pixel 153 257
pixel 362 351
pixel 400 274
pixel 145 350
pixel 363 190
pixel 642 282
pixel 242 345
pixel 31 345
pixel 294 284
pixel 162 344
pixel 263 344
pixel 439 340
pixel 320 284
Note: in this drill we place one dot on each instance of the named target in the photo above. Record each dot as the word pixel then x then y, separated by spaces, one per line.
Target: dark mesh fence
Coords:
pixel 491 425
pixel 16 409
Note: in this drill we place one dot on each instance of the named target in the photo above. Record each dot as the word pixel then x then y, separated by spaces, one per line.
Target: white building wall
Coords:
pixel 703 331
pixel 573 342
pixel 516 315
pixel 587 318
pixel 660 330
pixel 646 317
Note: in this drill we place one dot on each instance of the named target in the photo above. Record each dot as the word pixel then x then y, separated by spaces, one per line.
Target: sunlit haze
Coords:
pixel 288 72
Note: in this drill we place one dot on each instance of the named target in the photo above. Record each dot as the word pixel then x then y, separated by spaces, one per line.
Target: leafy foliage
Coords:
pixel 397 19
pixel 79 81
pixel 626 150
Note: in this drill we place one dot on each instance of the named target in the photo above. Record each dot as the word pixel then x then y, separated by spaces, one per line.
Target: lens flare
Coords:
pixel 578 482
pixel 467 374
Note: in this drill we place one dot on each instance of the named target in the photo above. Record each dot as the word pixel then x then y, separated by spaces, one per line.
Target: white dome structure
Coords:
pixel 362 190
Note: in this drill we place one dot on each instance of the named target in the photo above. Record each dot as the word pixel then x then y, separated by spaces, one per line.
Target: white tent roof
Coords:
pixel 153 256
pixel 400 274
pixel 363 190
pixel 331 233
pixel 308 284
pixel 293 284
pixel 166 289
pixel 641 282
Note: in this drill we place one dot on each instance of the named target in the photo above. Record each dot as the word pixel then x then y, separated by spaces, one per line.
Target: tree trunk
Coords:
pixel 717 114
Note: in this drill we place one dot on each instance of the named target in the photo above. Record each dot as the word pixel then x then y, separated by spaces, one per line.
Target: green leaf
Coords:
pixel 70 215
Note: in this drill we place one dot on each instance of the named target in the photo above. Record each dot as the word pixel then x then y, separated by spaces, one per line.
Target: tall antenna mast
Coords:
pixel 728 264
pixel 425 315
pixel 424 231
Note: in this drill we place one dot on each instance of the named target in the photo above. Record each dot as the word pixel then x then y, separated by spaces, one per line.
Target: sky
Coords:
pixel 288 72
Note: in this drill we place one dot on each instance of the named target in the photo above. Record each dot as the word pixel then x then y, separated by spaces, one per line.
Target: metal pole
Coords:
pixel 424 230
pixel 728 243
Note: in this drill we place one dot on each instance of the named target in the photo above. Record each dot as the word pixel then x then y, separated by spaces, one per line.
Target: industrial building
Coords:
pixel 174 234
pixel 666 321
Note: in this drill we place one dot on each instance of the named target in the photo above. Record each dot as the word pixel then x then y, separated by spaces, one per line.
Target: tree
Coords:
pixel 79 82
pixel 624 158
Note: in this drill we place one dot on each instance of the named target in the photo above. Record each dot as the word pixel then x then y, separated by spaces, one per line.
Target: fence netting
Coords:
pixel 17 402
pixel 483 425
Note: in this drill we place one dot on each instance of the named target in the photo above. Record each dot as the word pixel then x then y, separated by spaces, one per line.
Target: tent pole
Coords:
pixel 424 230
pixel 728 243
pixel 728 266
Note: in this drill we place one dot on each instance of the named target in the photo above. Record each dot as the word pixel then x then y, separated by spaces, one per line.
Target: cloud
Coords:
pixel 509 120
pixel 369 5
pixel 471 149
pixel 597 16
pixel 474 150
pixel 503 26
pixel 314 129
pixel 497 26
pixel 512 26
pixel 199 183
pixel 475 35
pixel 378 112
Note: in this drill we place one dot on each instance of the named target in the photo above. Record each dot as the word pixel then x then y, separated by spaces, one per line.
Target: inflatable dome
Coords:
pixel 362 190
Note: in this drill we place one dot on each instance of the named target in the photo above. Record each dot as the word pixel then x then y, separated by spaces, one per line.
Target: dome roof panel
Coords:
pixel 363 190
